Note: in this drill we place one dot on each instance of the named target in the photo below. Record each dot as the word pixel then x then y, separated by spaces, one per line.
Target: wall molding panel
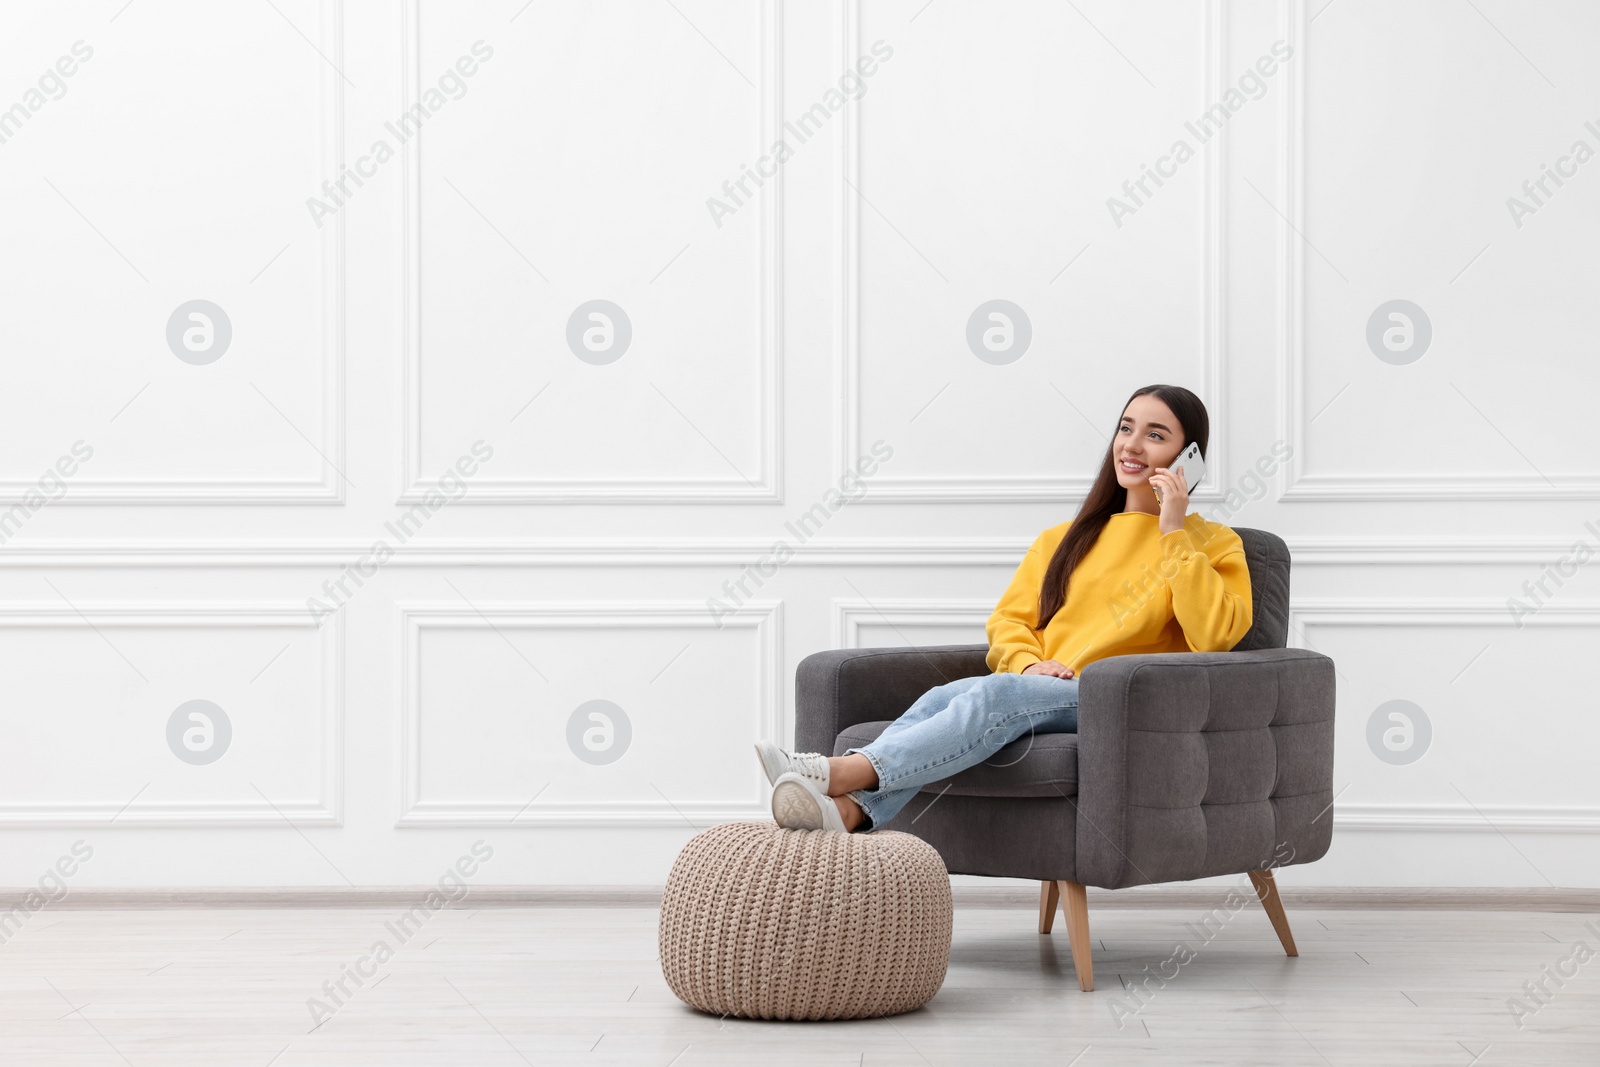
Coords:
pixel 850 615
pixel 1366 614
pixel 763 620
pixel 258 811
pixel 330 486
pixel 998 488
pixel 1293 483
pixel 767 486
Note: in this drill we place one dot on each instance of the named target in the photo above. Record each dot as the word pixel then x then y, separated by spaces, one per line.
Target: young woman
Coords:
pixel 1133 572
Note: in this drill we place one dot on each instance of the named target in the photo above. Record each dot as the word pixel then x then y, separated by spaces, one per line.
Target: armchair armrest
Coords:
pixel 841 687
pixel 1197 764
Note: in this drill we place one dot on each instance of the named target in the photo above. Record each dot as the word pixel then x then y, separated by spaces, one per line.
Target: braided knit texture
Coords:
pixel 763 922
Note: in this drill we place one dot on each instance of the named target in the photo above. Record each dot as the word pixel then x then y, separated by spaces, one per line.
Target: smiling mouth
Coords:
pixel 1129 466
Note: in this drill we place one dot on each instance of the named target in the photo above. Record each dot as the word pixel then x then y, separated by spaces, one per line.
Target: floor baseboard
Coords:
pixel 1430 898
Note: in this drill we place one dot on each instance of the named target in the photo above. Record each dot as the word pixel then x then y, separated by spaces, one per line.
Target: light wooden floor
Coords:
pixel 228 986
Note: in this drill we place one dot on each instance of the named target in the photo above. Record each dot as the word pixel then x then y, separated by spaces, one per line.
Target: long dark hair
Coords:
pixel 1107 497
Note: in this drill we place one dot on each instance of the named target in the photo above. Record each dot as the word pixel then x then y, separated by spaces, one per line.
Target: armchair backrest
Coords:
pixel 1268 557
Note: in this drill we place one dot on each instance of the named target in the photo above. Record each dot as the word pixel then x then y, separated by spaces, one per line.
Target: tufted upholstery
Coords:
pixel 1186 765
pixel 1202 764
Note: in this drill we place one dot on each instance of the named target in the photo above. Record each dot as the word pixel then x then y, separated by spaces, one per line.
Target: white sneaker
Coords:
pixel 799 805
pixel 812 766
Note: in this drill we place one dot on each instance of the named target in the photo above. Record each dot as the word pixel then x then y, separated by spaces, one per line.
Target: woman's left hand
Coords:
pixel 1173 496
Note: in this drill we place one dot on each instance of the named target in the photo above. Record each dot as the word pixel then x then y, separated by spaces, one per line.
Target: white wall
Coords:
pixel 377 338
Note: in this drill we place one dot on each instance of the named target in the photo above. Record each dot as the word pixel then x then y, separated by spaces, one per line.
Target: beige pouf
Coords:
pixel 767 923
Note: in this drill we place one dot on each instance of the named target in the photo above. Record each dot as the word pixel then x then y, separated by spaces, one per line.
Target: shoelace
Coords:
pixel 810 764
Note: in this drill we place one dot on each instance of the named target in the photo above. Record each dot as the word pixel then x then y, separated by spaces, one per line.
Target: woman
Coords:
pixel 1134 572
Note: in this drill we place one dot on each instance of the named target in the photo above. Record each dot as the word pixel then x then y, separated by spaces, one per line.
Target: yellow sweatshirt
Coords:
pixel 1137 590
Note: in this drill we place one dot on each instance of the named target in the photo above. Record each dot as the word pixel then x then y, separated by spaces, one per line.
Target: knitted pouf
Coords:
pixel 766 923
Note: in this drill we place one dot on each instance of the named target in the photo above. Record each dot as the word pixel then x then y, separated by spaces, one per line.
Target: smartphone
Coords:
pixel 1192 466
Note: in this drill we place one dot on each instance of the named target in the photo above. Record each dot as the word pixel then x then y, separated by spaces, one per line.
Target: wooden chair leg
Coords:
pixel 1267 893
pixel 1049 893
pixel 1075 902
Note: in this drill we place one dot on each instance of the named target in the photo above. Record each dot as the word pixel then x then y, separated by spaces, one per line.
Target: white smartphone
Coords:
pixel 1192 466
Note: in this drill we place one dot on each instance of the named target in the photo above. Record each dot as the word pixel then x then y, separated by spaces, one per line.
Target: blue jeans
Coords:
pixel 956 726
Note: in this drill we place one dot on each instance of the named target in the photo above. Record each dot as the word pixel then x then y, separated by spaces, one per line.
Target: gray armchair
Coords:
pixel 1185 765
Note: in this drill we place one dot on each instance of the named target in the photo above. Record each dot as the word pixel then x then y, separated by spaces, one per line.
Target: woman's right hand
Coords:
pixel 1049 666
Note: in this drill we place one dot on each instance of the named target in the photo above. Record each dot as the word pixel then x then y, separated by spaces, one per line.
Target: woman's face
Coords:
pixel 1148 436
